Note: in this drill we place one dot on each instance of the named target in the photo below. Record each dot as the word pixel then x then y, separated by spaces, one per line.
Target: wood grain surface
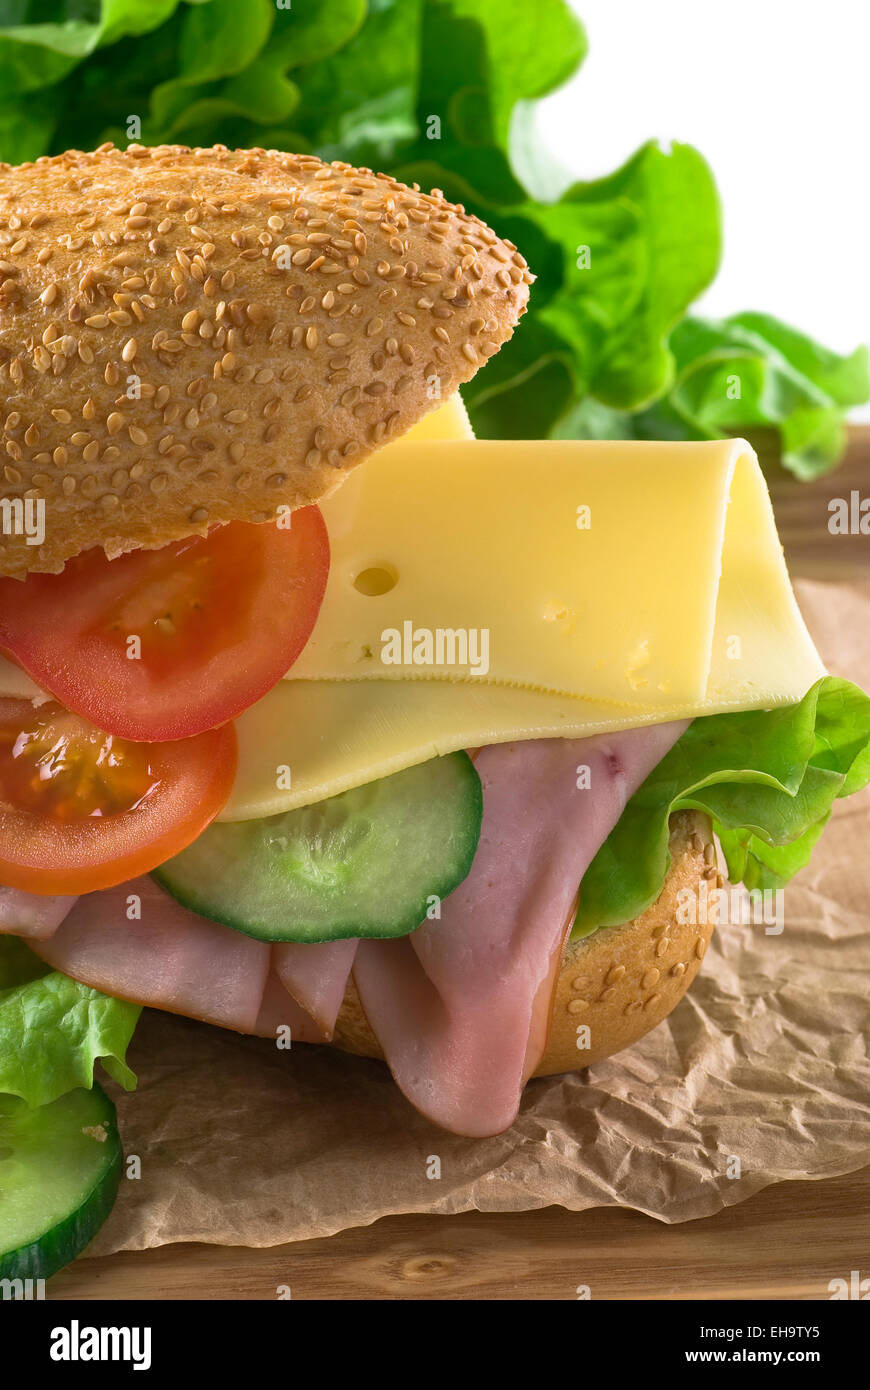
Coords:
pixel 787 1242
pixel 802 514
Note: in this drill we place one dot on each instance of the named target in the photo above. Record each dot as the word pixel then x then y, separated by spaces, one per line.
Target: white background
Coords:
pixel 776 95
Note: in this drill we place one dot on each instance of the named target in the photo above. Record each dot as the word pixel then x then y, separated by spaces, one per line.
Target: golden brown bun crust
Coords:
pixel 280 317
pixel 621 981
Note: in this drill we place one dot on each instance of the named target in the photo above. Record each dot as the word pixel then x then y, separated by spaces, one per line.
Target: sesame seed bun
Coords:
pixel 198 336
pixel 621 981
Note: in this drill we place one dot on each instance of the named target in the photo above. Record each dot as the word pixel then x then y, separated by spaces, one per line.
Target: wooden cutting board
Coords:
pixel 787 1242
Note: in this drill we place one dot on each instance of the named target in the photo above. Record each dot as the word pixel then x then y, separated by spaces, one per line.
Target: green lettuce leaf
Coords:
pixel 620 265
pixel 767 778
pixel 53 1030
pixel 740 374
pixel 358 103
pixel 26 128
pixel 34 54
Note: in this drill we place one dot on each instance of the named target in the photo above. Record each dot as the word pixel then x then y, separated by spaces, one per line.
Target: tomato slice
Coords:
pixel 81 809
pixel 164 644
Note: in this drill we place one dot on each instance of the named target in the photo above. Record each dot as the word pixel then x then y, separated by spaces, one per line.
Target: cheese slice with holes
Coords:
pixel 670 600
pixel 646 575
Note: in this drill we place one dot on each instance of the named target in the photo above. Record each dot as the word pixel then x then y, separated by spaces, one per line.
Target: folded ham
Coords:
pixel 316 976
pixel 136 942
pixel 461 1007
pixel 280 1011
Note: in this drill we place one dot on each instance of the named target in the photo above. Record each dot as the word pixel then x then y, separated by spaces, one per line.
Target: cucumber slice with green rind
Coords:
pixel 368 862
pixel 60 1166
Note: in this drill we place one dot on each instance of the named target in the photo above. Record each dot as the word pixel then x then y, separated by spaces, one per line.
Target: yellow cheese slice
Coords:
pixel 307 740
pixel 682 608
pixel 483 538
pixel 586 568
pixel 448 421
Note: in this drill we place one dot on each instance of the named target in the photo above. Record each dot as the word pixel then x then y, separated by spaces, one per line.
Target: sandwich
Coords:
pixel 321 720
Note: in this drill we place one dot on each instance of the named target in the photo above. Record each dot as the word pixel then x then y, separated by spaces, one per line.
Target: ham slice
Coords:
pixel 278 1009
pixel 317 977
pixel 30 914
pixel 170 958
pixel 461 1006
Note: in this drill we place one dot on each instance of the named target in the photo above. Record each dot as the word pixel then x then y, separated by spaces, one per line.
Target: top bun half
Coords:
pixel 193 336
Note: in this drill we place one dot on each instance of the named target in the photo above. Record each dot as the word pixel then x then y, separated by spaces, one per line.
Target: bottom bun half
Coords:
pixel 613 986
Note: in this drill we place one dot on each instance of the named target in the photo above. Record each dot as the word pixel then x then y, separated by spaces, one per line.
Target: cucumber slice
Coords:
pixel 365 863
pixel 60 1166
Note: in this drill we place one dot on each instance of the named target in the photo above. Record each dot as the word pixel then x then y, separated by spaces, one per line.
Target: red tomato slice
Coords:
pixel 80 809
pixel 164 644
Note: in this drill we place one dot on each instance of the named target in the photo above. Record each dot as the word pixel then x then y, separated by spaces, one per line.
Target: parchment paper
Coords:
pixel 760 1075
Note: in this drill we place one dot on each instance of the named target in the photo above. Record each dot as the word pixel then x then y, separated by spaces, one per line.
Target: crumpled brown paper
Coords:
pixel 761 1074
